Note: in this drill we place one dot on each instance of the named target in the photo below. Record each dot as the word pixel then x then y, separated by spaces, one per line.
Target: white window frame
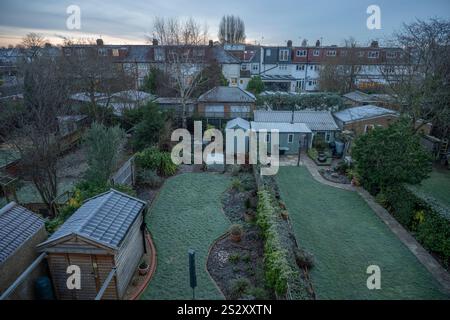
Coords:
pixel 373 54
pixel 331 53
pixel 255 67
pixel 300 67
pixel 290 138
pixel 316 53
pixel 301 53
pixel 284 55
pixel 367 126
pixel 391 55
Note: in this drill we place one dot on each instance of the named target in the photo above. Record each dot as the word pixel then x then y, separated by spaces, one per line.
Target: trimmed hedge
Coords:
pixel 277 268
pixel 154 159
pixel 422 215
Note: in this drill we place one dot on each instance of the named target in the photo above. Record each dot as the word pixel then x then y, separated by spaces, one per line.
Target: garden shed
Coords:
pixel 104 237
pixel 20 231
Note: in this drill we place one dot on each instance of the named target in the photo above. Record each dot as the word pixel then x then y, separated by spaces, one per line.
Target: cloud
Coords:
pixel 274 20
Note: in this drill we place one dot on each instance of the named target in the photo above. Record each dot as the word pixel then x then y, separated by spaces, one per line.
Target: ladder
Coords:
pixel 444 147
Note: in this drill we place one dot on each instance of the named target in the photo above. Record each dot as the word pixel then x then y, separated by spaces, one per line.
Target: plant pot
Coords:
pixel 235 237
pixel 143 271
pixel 249 216
pixel 284 215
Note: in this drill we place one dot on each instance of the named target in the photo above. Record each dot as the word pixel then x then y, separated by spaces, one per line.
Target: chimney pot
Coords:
pixel 289 43
pixel 99 42
pixel 155 42
pixel 211 43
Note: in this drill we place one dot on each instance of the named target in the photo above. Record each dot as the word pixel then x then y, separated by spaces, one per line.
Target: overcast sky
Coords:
pixel 267 21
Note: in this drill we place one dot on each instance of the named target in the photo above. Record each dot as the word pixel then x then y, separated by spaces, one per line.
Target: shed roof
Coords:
pixel 362 113
pixel 105 219
pixel 238 122
pixel 227 94
pixel 17 225
pixel 315 120
pixel 133 95
pixel 282 127
pixel 358 96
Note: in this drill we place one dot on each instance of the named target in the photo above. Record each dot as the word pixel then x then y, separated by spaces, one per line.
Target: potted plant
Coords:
pixel 282 205
pixel 249 215
pixel 143 268
pixel 236 232
pixel 284 214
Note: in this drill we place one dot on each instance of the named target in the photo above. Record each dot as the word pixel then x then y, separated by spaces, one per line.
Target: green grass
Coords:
pixel 186 215
pixel 438 186
pixel 345 237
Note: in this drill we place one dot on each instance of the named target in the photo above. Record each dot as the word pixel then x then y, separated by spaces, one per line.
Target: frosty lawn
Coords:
pixel 346 237
pixel 187 215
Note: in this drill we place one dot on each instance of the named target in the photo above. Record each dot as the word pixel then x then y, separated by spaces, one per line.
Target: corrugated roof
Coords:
pixel 104 219
pixel 282 127
pixel 227 94
pixel 315 120
pixel 281 77
pixel 238 122
pixel 362 112
pixel 17 225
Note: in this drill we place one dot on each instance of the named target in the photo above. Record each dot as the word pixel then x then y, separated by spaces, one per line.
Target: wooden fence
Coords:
pixel 126 174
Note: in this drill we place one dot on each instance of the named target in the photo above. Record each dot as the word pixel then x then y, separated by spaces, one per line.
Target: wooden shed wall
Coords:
pixel 95 268
pixel 129 255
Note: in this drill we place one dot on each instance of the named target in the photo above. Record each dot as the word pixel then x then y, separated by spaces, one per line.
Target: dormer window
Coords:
pixel 115 52
pixel 331 53
pixel 284 55
pixel 301 53
pixel 391 54
pixel 316 53
pixel 373 54
pixel 103 52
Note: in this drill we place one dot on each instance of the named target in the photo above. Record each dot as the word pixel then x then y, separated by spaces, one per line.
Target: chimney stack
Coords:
pixel 374 44
pixel 289 43
pixel 99 42
pixel 211 43
pixel 318 43
pixel 155 42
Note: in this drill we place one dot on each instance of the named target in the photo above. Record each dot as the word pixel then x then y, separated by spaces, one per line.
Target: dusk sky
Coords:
pixel 267 21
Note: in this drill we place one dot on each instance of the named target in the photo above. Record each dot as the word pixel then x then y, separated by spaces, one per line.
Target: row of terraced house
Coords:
pixel 286 68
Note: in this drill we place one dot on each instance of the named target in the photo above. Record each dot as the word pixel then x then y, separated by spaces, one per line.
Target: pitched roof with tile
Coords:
pixel 227 94
pixel 17 225
pixel 315 120
pixel 104 219
pixel 362 113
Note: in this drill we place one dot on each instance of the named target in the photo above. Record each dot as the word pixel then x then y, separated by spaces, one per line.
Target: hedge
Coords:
pixel 427 219
pixel 277 268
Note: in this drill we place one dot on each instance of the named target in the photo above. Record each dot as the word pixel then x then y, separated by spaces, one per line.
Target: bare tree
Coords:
pixel 92 70
pixel 339 74
pixel 231 29
pixel 175 32
pixel 35 131
pixel 183 56
pixel 33 42
pixel 420 82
